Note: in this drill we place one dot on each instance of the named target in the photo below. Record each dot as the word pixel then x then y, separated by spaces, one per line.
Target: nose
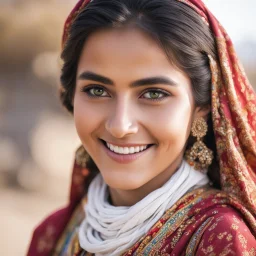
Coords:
pixel 121 122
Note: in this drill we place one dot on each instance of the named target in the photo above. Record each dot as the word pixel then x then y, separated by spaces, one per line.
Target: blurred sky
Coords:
pixel 237 16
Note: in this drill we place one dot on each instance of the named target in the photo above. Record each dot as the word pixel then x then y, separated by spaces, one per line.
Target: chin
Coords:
pixel 123 181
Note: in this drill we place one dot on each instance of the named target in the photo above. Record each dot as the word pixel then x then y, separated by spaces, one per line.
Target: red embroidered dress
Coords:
pixel 205 221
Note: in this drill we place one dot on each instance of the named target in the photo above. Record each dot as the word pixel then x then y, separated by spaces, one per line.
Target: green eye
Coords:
pixel 97 91
pixel 154 95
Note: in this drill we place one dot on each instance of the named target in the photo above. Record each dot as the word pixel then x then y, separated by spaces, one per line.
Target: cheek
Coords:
pixel 87 118
pixel 172 124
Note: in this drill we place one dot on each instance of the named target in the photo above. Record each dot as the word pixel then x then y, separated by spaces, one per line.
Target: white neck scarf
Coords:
pixel 111 230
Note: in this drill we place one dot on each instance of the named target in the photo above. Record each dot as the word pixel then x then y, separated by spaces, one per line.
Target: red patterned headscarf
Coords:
pixel 233 110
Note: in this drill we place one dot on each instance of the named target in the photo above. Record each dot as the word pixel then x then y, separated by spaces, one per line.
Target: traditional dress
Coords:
pixel 205 221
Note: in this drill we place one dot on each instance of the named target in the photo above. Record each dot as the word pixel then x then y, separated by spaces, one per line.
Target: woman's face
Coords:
pixel 129 95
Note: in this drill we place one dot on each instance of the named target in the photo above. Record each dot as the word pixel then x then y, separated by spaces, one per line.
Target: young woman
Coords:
pixel 167 121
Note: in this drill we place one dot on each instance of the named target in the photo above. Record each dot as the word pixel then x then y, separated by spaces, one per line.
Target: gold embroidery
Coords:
pixel 243 241
pixel 45 242
pixel 212 236
pixel 234 226
pixel 209 248
pixel 143 244
pixel 221 235
pixel 229 237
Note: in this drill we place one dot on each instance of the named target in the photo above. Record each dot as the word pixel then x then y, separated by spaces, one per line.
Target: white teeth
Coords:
pixel 126 150
pixel 131 150
pixel 116 149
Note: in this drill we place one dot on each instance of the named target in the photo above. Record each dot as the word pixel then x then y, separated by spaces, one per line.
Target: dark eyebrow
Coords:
pixel 95 77
pixel 154 80
pixel 87 75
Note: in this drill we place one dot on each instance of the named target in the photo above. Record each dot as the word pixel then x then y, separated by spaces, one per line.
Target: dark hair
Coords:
pixel 176 27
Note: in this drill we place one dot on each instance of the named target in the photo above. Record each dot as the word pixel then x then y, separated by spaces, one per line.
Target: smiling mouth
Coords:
pixel 125 150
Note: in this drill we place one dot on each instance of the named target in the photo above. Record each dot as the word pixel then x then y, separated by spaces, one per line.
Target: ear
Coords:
pixel 202 112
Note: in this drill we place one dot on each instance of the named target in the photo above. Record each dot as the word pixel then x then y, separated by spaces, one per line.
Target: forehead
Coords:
pixel 122 47
pixel 126 54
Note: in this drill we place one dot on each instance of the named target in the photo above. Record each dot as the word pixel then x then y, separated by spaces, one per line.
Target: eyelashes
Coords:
pixel 153 94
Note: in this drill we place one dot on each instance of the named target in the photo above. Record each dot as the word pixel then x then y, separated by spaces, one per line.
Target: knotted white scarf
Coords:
pixel 111 230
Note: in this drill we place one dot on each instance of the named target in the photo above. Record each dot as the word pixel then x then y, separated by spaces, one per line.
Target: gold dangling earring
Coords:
pixel 82 156
pixel 199 156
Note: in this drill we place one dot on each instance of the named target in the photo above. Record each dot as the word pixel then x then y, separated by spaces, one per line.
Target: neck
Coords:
pixel 130 197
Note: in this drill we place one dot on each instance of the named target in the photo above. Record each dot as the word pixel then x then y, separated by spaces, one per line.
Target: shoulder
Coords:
pixel 47 233
pixel 226 233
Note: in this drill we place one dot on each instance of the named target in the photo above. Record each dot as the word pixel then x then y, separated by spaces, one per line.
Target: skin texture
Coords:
pixel 125 114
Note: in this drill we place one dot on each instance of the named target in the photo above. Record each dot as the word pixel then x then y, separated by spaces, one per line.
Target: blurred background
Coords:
pixel 37 136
